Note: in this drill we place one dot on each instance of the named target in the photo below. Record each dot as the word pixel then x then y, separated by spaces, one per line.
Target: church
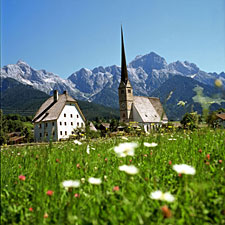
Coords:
pixel 147 111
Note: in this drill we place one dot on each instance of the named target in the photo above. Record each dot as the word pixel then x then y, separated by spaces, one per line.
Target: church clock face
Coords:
pixel 123 105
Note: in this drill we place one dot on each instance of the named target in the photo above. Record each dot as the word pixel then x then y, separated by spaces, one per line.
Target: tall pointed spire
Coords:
pixel 124 74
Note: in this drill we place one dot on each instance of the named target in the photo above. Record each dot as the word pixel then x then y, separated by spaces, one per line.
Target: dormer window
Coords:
pixel 129 91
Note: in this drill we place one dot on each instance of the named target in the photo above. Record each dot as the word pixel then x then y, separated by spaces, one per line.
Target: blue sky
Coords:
pixel 63 36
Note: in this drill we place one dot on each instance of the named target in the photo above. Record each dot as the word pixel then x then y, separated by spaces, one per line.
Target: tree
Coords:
pixel 190 121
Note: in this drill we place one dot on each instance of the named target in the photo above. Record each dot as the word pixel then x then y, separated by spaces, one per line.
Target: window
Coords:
pixel 40 134
pixel 64 114
pixel 78 124
pixel 53 133
pixel 53 124
pixel 60 132
pixel 40 125
pixel 129 91
pixel 65 123
pixel 77 116
pixel 72 132
pixel 46 134
pixel 60 123
pixel 122 91
pixel 71 115
pixel 124 115
pixel 65 132
pixel 46 125
pixel 71 123
pixel 82 124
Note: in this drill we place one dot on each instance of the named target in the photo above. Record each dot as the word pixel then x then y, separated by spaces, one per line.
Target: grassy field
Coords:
pixel 32 176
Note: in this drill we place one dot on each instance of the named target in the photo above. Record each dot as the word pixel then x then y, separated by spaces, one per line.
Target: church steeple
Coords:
pixel 124 75
pixel 125 89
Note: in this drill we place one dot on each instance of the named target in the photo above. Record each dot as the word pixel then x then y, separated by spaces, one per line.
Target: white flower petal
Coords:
pixel 184 169
pixel 71 183
pixel 150 145
pixel 77 142
pixel 125 149
pixel 88 149
pixel 159 195
pixel 129 169
pixel 93 180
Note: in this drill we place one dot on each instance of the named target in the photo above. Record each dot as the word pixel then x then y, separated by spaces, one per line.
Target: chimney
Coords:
pixel 65 92
pixel 56 96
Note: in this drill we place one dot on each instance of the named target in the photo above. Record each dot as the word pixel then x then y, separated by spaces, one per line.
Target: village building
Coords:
pixel 57 118
pixel 147 111
pixel 220 118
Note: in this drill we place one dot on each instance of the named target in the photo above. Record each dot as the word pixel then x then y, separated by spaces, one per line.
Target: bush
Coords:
pixel 190 121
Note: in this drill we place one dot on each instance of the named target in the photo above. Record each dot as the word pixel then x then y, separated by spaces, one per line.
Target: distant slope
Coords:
pixel 25 100
pixel 19 98
pixel 182 88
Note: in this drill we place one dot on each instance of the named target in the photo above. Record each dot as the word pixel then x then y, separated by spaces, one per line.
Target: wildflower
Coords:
pixel 106 159
pixel 93 180
pixel 116 188
pixel 82 180
pixel 129 169
pixel 130 160
pixel 159 195
pixel 220 161
pixel 99 155
pixel 207 163
pixel 150 145
pixel 49 192
pixel 181 103
pixel 170 162
pixel 105 177
pixel 71 184
pixel 78 165
pixel 200 151
pixel 125 149
pixel 88 149
pixel 172 139
pixel 184 169
pixel 30 209
pixel 76 195
pixel 95 168
pixel 22 177
pixel 208 156
pixel 166 211
pixel 93 148
pixel 77 142
pixel 46 215
pixel 145 155
pixel 57 160
pixel 218 83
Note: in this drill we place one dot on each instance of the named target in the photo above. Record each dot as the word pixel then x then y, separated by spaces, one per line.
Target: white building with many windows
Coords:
pixel 57 118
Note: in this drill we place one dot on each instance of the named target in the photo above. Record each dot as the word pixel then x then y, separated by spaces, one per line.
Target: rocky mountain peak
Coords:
pixel 149 62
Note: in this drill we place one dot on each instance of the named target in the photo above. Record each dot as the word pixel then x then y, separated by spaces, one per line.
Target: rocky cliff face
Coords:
pixel 146 73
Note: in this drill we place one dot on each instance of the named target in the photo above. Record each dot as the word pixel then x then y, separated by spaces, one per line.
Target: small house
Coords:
pixel 57 118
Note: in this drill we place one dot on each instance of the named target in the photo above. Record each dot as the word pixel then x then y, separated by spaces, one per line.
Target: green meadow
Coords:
pixel 32 176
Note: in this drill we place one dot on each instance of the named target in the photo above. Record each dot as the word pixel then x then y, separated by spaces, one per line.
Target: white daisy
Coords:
pixel 71 184
pixel 93 180
pixel 129 169
pixel 125 149
pixel 185 169
pixel 150 145
pixel 77 142
pixel 159 195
